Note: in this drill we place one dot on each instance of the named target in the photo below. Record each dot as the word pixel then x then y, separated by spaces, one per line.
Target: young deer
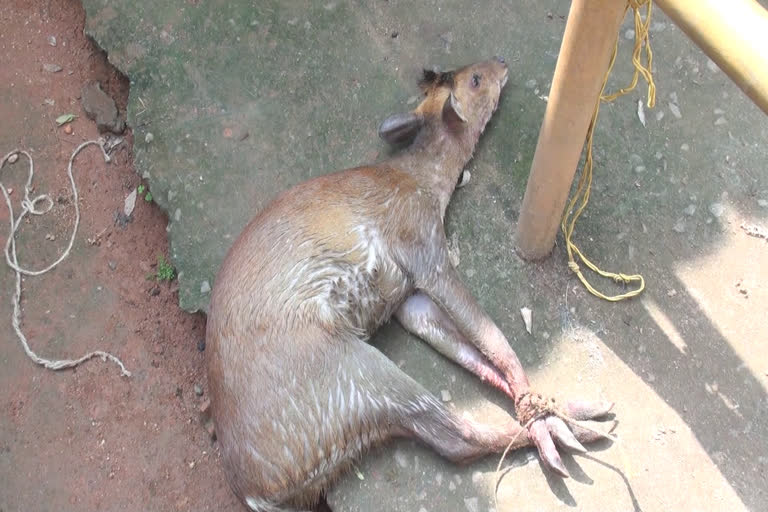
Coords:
pixel 297 392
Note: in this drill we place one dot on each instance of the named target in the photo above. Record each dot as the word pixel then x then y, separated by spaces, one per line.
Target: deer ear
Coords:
pixel 452 112
pixel 400 128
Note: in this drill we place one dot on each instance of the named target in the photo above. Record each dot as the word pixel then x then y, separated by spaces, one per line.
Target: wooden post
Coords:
pixel 588 43
pixel 734 34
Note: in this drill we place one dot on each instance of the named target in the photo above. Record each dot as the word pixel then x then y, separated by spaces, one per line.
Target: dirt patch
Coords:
pixel 88 439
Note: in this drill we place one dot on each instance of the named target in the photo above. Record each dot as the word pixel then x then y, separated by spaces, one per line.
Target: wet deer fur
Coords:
pixel 297 392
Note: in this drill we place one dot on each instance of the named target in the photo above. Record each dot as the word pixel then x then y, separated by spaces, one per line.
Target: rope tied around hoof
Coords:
pixel 532 406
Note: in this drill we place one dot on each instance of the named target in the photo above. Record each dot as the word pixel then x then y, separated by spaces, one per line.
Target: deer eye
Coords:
pixel 475 80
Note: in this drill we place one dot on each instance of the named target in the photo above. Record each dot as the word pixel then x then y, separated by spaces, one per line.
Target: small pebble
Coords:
pixel 690 210
pixel 679 226
pixel 205 407
pixel 720 121
pixel 716 209
pixel 52 68
pixel 205 287
pixel 68 129
pixel 471 504
pixel 675 111
pixel 13 158
pixel 149 137
pixel 465 177
pixel 198 390
pixel 201 345
pixel 211 429
pixel 629 34
pixel 445 395
pixel 685 147
pixel 762 203
pixel 52 40
pixel 155 291
pixel 635 160
pixel 112 265
pixel 401 459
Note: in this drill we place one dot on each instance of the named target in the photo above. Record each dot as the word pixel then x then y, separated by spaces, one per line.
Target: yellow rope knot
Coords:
pixel 572 212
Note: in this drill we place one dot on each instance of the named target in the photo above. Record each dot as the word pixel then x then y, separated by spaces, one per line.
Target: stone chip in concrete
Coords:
pixel 101 108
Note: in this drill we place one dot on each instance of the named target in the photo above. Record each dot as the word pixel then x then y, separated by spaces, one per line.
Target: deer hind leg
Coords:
pixel 414 412
pixel 365 400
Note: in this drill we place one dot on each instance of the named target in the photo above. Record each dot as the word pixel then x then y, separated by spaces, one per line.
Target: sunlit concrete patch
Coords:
pixel 655 447
pixel 728 284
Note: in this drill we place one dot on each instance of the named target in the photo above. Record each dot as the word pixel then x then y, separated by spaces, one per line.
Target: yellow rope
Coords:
pixel 585 180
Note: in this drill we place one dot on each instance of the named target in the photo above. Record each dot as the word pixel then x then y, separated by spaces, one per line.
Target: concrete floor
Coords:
pixel 233 102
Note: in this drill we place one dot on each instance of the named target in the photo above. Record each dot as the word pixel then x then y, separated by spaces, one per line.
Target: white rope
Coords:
pixel 29 205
